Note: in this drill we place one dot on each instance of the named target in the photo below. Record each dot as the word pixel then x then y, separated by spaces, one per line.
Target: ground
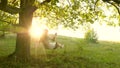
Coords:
pixel 77 53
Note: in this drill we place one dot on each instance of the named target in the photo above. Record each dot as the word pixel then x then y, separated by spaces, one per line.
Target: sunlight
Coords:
pixel 36 28
pixel 35 31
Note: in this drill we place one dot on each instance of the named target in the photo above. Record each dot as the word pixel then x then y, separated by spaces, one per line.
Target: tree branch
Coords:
pixel 116 6
pixel 10 9
pixel 7 8
pixel 4 3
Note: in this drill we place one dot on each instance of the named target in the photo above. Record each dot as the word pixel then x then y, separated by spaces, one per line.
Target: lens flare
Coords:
pixel 35 32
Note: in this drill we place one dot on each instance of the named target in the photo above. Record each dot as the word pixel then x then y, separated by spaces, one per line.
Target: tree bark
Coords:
pixel 22 50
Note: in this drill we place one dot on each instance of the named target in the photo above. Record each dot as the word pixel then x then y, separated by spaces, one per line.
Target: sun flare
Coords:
pixel 35 30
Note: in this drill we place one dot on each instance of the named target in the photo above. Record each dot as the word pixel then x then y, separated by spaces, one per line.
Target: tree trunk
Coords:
pixel 22 50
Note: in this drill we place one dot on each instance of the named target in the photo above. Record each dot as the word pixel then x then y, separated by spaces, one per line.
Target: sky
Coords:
pixel 104 32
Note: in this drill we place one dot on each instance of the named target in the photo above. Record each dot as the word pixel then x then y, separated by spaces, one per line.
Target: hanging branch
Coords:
pixel 115 5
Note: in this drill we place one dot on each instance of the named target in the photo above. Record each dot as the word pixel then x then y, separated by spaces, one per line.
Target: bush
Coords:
pixel 91 36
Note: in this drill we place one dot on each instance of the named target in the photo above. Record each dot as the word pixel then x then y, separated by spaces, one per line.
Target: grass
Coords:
pixel 7 45
pixel 76 54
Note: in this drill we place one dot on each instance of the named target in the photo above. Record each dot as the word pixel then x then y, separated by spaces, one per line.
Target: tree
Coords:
pixel 72 15
pixel 25 9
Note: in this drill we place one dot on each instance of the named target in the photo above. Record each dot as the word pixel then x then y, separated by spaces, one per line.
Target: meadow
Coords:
pixel 77 53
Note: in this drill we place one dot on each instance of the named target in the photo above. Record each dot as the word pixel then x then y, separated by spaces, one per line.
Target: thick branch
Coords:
pixel 7 8
pixel 4 3
pixel 10 9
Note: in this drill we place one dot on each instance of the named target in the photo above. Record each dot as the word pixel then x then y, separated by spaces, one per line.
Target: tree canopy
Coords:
pixel 70 13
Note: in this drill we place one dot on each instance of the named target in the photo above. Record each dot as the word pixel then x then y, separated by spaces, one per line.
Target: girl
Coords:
pixel 49 43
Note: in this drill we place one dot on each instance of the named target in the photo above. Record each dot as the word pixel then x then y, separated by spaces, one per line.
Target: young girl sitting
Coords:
pixel 48 41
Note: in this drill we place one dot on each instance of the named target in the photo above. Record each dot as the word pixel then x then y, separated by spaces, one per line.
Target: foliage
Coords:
pixel 91 36
pixel 72 13
pixel 7 21
pixel 75 13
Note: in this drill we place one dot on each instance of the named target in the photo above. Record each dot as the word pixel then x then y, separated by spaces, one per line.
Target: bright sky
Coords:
pixel 108 32
pixel 104 32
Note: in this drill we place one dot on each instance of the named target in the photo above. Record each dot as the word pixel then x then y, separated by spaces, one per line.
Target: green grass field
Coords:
pixel 76 54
